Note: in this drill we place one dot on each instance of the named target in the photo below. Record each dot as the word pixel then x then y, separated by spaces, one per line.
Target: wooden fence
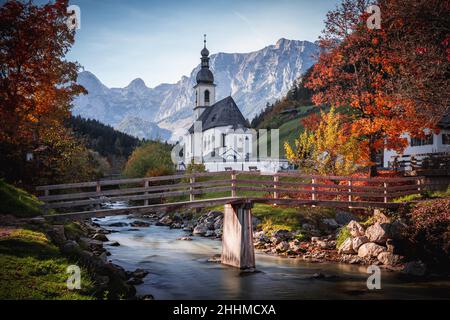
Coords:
pixel 252 186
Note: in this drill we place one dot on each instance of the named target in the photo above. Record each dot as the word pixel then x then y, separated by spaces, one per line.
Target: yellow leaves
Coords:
pixel 327 150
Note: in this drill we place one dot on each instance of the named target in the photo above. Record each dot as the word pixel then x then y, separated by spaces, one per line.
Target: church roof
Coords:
pixel 222 114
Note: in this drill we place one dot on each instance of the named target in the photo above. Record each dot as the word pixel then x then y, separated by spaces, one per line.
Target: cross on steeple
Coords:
pixel 204 40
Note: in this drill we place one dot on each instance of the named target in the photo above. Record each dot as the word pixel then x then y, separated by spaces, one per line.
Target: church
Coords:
pixel 220 137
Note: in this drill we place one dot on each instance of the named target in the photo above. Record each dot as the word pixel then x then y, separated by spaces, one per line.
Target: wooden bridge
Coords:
pixel 236 190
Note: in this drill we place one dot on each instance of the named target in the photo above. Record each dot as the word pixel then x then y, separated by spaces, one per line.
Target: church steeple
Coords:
pixel 205 88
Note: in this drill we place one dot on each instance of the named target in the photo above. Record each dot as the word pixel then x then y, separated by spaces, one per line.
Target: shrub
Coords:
pixel 343 234
pixel 429 230
pixel 151 159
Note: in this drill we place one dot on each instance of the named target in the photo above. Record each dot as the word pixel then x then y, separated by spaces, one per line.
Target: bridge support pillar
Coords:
pixel 237 237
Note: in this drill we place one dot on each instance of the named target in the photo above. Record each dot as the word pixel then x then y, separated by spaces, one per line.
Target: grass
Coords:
pixel 343 234
pixel 18 202
pixel 290 127
pixel 32 268
pixel 423 196
pixel 274 218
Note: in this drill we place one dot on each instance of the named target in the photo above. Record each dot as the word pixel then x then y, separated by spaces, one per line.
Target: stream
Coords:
pixel 180 270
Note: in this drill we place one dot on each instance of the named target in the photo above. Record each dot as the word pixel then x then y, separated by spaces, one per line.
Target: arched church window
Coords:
pixel 207 96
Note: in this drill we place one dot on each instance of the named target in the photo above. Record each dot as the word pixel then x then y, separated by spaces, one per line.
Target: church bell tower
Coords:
pixel 205 89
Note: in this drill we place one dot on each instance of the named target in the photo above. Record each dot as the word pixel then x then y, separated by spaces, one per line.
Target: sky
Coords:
pixel 160 41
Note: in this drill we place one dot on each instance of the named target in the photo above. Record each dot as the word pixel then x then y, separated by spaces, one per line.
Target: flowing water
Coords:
pixel 180 270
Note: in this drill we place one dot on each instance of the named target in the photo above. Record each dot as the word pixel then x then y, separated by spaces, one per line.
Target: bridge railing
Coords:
pixel 231 184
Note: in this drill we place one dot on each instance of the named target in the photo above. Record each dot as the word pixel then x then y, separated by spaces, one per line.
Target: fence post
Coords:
pixel 191 188
pixel 385 185
pixel 350 191
pixel 146 193
pixel 313 194
pixel 98 189
pixel 233 184
pixel 275 186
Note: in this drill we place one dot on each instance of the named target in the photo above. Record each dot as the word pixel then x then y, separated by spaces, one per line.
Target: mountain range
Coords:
pixel 166 111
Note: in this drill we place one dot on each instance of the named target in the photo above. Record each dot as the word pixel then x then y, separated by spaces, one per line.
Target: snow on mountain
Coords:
pixel 143 129
pixel 253 79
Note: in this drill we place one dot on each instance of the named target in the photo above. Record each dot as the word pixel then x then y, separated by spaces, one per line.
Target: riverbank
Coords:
pixel 183 269
pixel 35 255
pixel 365 237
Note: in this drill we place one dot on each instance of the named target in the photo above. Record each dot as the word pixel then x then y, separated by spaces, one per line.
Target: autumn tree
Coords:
pixel 37 83
pixel 359 70
pixel 151 159
pixel 327 150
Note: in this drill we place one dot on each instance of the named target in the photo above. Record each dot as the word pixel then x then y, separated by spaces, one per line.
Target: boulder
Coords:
pixel 218 223
pixel 358 242
pixel 91 243
pixel 380 217
pixel 398 229
pixel 390 245
pixel 415 268
pixel 210 233
pixel 351 259
pixel 378 233
pixel 114 244
pixel 282 234
pixel 185 238
pixel 139 224
pixel 294 246
pixel 315 239
pixel 100 237
pixel 370 249
pixel 388 258
pixel 343 218
pixel 139 273
pixel 214 214
pixel 70 247
pixel 331 223
pixel 118 224
pixel 323 244
pixel 283 246
pixel 56 233
pixel 355 229
pixel 165 221
pixel 261 236
pixel 346 247
pixel 200 229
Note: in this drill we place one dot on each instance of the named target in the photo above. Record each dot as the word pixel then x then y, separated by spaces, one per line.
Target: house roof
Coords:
pixel 222 114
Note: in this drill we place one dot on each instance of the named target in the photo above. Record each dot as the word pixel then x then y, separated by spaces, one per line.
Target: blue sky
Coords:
pixel 159 41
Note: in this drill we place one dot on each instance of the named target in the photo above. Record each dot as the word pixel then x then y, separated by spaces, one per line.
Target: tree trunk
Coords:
pixel 373 159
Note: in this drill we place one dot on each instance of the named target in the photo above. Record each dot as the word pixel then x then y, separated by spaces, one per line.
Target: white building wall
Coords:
pixel 436 147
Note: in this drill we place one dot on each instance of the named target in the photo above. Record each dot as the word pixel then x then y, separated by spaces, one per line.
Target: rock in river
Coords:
pixel 355 229
pixel 140 224
pixel 377 233
pixel 370 249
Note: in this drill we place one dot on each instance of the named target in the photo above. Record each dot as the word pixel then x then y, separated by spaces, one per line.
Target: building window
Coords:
pixel 415 142
pixel 207 96
pixel 446 138
pixel 224 144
